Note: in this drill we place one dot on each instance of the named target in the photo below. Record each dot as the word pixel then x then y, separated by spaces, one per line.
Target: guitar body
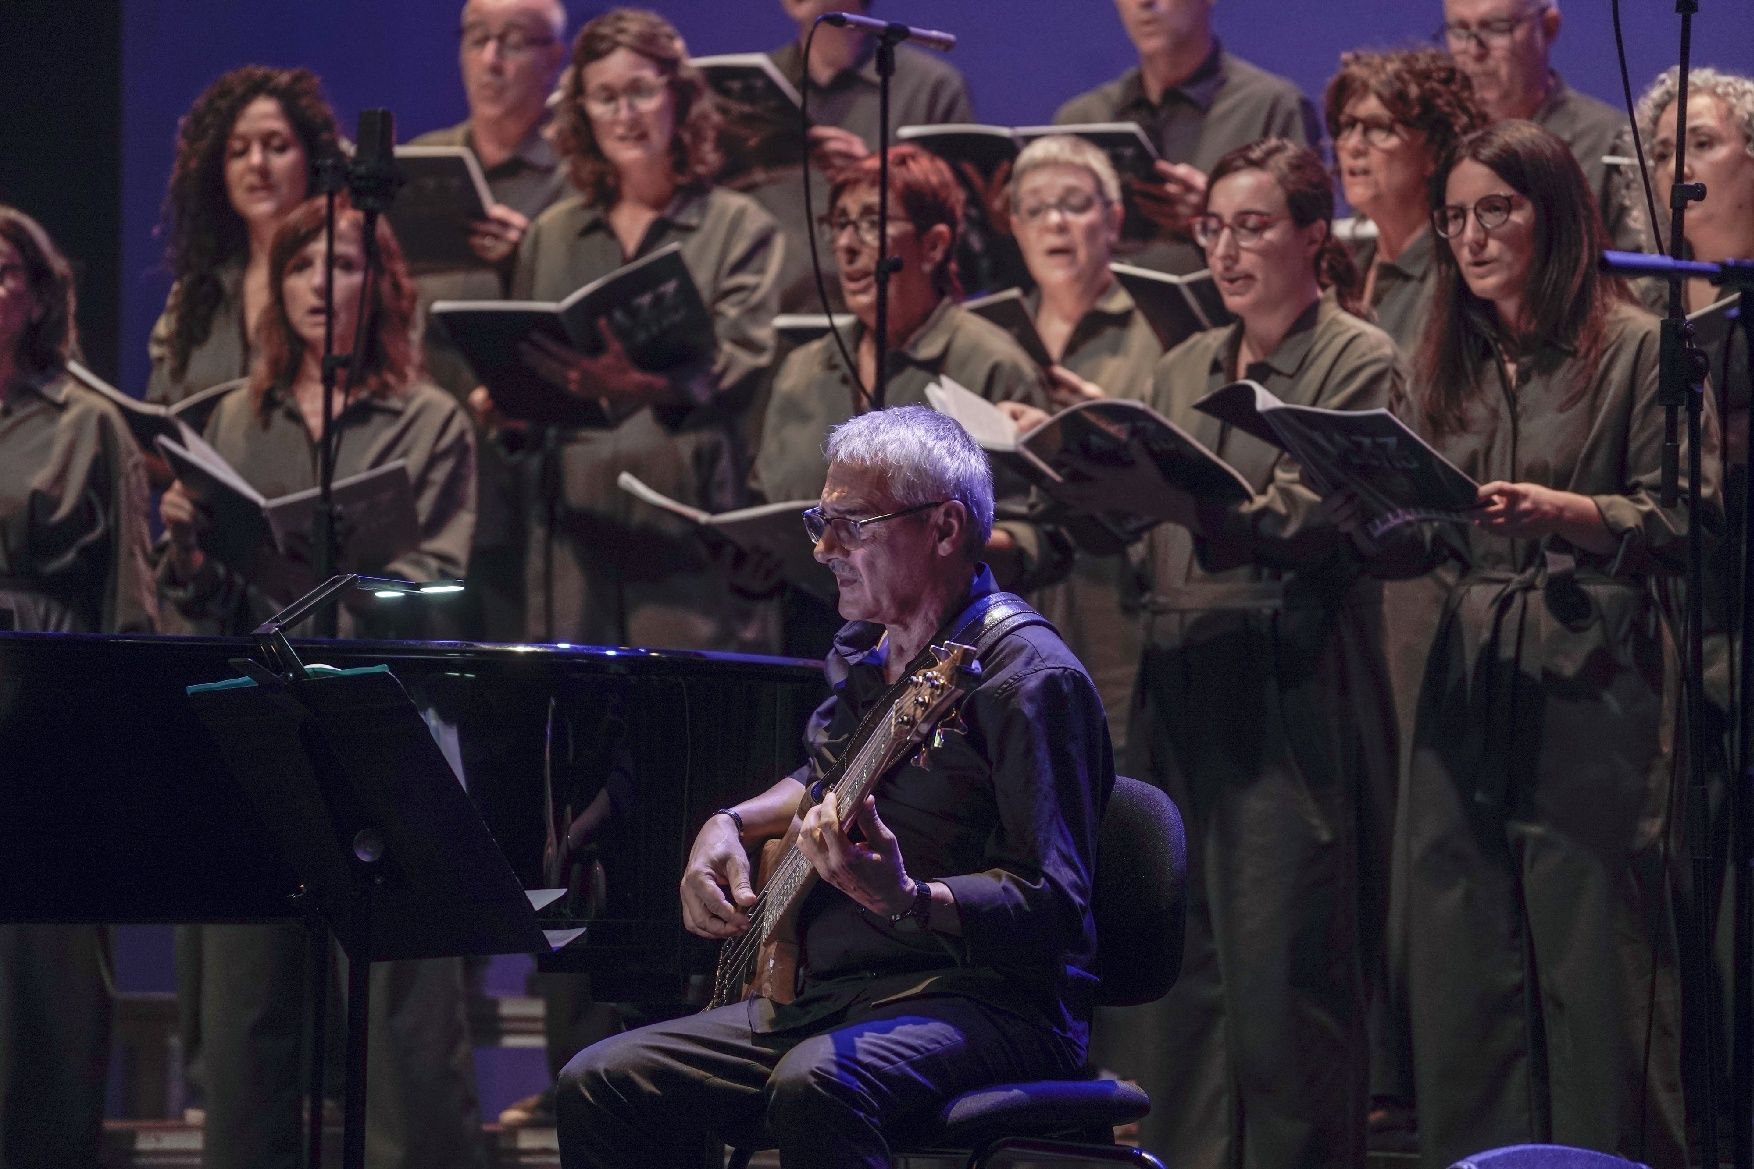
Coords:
pixel 766 961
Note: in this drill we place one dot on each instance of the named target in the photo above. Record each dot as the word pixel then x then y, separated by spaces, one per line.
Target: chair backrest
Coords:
pixel 1544 1157
pixel 1140 899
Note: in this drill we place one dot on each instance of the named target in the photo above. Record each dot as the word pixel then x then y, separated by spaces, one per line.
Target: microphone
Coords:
pixel 373 176
pixel 892 32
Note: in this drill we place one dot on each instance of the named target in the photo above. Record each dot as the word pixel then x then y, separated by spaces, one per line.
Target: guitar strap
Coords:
pixel 981 626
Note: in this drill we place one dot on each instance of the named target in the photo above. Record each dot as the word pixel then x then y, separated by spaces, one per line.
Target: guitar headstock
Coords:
pixel 934 689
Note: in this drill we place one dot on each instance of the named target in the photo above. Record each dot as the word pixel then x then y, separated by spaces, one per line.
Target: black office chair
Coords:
pixel 1140 904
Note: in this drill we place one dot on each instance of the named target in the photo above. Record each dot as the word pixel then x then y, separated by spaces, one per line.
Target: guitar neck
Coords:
pixel 877 745
pixel 851 783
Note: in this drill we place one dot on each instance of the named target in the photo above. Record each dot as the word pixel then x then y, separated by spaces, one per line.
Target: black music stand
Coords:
pixel 367 811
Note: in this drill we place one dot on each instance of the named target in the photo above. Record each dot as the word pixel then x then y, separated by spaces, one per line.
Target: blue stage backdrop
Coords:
pixel 1021 57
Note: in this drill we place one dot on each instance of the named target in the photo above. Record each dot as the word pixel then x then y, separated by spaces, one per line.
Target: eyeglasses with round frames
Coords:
pixel 1488 34
pixel 513 42
pixel 864 227
pixel 848 531
pixel 642 97
pixel 1247 228
pixel 1490 211
pixel 1379 132
pixel 1071 205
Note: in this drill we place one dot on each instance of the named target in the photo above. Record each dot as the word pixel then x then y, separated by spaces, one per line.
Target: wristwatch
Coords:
pixel 919 908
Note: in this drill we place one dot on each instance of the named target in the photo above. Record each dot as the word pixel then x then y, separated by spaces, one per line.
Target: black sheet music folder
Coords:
pixel 344 771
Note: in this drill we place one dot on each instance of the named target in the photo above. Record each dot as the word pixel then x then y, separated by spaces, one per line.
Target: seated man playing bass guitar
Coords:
pixel 939 848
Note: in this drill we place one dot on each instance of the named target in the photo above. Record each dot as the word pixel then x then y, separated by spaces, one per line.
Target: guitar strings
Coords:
pixel 855 774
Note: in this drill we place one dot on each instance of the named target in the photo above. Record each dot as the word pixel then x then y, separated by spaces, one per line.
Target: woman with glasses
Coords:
pixel 637 127
pixel 1263 706
pixel 245 157
pixel 1066 211
pixel 1530 877
pixel 930 336
pixel 73 559
pixel 1393 118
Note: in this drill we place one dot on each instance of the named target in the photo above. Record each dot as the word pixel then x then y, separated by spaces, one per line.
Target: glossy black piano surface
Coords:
pixel 116 807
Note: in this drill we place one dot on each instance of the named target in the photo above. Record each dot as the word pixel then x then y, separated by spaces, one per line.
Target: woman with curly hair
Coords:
pixel 244 984
pixel 1720 154
pixel 638 129
pixel 1393 118
pixel 245 156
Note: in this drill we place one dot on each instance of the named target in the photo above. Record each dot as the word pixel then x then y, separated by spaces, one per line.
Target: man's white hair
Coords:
pixel 923 457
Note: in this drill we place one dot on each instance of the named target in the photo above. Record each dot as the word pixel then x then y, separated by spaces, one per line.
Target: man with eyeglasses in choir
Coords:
pixel 1505 48
pixel 510 53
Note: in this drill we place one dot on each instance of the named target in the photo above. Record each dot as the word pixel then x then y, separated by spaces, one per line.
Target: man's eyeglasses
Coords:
pixel 1488 34
pixel 1246 229
pixel 1490 211
pixel 513 42
pixel 641 96
pixel 1382 132
pixel 1071 205
pixel 849 532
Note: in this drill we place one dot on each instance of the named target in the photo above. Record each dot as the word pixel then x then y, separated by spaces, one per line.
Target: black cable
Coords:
pixel 859 386
pixel 1650 200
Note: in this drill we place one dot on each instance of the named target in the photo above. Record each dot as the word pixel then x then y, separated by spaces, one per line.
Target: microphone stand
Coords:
pixel 331 177
pixel 1682 384
pixel 372 179
pixel 1739 796
pixel 887 34
pixel 886 263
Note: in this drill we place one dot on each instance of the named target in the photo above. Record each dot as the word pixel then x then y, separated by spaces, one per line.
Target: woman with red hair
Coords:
pixel 930 336
pixel 268 427
pixel 248 981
